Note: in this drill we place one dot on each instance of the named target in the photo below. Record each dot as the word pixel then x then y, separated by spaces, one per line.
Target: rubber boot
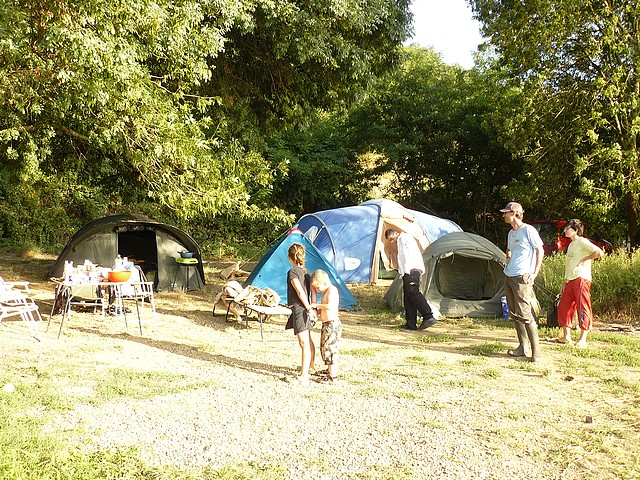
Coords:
pixel 521 351
pixel 532 332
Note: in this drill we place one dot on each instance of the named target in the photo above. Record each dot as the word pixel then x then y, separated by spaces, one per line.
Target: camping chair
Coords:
pixel 226 297
pixel 87 296
pixel 139 290
pixel 263 303
pixel 15 302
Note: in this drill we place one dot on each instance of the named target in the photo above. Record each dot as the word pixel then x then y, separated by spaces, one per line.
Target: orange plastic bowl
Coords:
pixel 119 276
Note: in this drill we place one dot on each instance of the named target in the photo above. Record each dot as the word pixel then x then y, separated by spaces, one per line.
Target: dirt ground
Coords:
pixel 476 415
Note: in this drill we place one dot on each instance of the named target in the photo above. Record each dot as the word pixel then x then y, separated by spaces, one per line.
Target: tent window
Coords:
pixel 312 233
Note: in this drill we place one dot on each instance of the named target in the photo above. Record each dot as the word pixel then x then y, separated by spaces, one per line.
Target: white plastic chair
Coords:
pixel 15 302
pixel 139 290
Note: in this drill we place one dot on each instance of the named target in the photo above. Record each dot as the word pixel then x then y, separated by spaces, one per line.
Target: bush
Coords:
pixel 616 284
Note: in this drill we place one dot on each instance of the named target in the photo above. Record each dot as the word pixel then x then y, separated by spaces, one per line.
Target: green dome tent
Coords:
pixel 464 277
pixel 152 245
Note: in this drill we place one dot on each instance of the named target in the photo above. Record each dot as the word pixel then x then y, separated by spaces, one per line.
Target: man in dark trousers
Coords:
pixel 411 268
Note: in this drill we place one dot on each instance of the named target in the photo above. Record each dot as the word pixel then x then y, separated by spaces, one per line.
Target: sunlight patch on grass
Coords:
pixel 436 338
pixel 616 339
pixel 618 354
pixel 374 391
pixel 422 360
pixel 406 373
pixel 378 373
pixel 363 352
pixel 488 349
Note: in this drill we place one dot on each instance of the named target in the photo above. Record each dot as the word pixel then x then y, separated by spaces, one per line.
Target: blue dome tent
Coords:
pixel 352 238
pixel 271 270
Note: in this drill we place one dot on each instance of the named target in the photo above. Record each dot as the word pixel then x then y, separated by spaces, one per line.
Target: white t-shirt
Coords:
pixel 577 250
pixel 522 243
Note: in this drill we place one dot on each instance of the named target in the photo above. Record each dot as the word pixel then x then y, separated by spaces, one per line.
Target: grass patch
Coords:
pixel 18 461
pixel 617 354
pixel 492 373
pixel 437 338
pixel 422 360
pixel 363 352
pixel 633 387
pixel 627 341
pixel 472 362
pixel 138 384
pixel 408 394
pixel 250 470
pixel 386 472
pixel 487 349
pixel 390 369
pixel 461 383
pixel 374 391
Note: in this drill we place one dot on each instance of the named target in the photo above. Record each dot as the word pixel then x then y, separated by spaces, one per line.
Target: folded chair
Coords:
pixel 15 302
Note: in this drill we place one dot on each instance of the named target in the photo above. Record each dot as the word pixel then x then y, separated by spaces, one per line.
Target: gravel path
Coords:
pixel 388 414
pixel 403 409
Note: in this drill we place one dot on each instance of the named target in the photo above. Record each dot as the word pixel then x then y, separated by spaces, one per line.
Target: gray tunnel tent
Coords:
pixel 464 277
pixel 152 245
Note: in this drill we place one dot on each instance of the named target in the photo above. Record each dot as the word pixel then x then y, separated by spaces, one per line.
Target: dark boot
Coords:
pixel 532 332
pixel 521 351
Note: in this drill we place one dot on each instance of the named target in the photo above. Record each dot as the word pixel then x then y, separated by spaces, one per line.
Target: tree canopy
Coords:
pixel 165 107
pixel 578 63
pixel 438 131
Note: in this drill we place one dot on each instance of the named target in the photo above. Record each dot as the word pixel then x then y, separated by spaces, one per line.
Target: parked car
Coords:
pixel 552 234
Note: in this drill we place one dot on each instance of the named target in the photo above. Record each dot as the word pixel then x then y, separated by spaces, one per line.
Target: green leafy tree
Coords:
pixel 164 107
pixel 438 129
pixel 319 171
pixel 578 64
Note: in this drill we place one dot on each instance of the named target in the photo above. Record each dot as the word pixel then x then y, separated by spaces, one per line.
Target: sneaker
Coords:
pixel 426 323
pixel 407 327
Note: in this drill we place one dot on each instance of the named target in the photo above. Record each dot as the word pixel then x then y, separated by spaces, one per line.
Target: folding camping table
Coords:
pixel 262 312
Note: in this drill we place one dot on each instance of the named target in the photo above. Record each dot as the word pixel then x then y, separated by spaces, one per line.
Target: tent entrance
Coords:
pixel 139 245
pixel 465 278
